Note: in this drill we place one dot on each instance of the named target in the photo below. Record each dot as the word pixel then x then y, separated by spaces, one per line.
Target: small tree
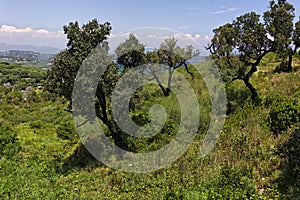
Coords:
pixel 238 47
pixel 130 53
pixel 173 56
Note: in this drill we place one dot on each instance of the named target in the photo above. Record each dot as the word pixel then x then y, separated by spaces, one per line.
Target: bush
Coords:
pixel 289 180
pixel 232 183
pixel 66 131
pixel 36 124
pixel 237 95
pixel 8 140
pixel 284 114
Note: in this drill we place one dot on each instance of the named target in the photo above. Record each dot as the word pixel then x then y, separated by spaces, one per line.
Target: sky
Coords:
pixel 40 22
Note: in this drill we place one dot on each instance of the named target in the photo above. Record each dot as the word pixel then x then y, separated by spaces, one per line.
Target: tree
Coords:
pixel 280 27
pixel 238 47
pixel 173 56
pixel 130 53
pixel 296 37
pixel 81 41
pixel 61 77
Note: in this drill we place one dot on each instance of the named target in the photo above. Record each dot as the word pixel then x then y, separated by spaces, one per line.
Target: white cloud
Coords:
pixel 207 38
pixel 186 37
pixel 154 39
pixel 195 37
pixel 28 35
pixel 5 29
pixel 223 11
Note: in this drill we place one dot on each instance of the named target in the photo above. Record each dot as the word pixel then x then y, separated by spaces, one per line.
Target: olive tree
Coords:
pixel 238 47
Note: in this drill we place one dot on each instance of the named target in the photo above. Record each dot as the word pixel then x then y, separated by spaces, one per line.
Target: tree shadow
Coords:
pixel 289 181
pixel 80 158
pixel 236 97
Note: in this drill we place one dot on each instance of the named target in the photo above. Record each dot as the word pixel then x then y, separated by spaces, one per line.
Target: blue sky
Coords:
pixel 39 22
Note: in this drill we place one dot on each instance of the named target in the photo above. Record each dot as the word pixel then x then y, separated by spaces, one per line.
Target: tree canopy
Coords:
pixel 81 41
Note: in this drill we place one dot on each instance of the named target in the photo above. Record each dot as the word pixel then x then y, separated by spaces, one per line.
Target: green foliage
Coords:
pixel 284 114
pixel 233 184
pixel 298 52
pixel 289 181
pixel 282 67
pixel 238 47
pixel 171 57
pixel 270 58
pixel 21 77
pixel 130 53
pixel 36 124
pixel 81 41
pixel 66 131
pixel 237 96
pixel 8 141
pixel 233 170
pixel 279 20
pixel 279 23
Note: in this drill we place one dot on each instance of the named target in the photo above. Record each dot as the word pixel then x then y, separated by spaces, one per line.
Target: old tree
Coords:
pixel 61 77
pixel 238 48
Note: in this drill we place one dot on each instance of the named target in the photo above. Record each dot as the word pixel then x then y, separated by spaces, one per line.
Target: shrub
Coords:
pixel 283 114
pixel 36 124
pixel 289 180
pixel 232 183
pixel 237 96
pixel 273 97
pixel 66 131
pixel 8 140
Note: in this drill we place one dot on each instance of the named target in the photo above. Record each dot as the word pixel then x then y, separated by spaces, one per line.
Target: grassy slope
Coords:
pixel 243 164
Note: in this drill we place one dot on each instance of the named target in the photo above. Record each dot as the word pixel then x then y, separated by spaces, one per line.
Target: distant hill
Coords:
pixel 41 49
pixel 29 56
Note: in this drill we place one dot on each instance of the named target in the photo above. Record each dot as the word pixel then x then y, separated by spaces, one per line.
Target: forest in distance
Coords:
pixel 257 153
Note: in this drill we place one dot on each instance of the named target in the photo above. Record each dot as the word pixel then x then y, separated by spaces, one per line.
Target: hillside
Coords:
pixel 42 157
pixel 27 58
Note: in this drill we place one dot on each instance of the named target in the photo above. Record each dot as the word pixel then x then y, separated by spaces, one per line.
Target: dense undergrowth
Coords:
pixel 42 157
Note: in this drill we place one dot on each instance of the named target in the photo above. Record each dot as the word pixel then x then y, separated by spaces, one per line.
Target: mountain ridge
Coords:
pixel 27 47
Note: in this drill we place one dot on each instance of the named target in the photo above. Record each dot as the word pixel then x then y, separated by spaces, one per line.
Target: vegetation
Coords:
pixel 256 156
pixel 284 114
pixel 280 26
pixel 44 159
pixel 239 47
pixel 19 76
